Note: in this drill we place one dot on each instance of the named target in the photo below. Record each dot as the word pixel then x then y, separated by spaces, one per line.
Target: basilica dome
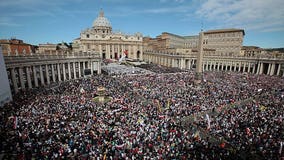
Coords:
pixel 101 21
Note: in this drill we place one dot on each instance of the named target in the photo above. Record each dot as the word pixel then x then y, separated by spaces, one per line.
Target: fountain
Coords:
pixel 101 95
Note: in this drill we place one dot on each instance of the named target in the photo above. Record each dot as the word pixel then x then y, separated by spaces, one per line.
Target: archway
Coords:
pixel 104 55
pixel 138 54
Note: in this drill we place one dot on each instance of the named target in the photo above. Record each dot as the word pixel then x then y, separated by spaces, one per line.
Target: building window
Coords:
pixel 88 36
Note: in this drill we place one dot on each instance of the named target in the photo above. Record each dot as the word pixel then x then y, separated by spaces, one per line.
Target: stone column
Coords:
pixel 79 69
pixel 218 66
pixel 107 52
pixel 253 69
pixel 100 50
pixel 84 66
pixel 258 68
pixel 249 67
pixel 53 73
pixel 69 71
pixel 41 75
pixel 227 66
pixel 244 67
pixel 134 48
pixel 14 80
pixel 47 74
pixel 118 51
pixel 141 52
pixel 182 63
pixel 272 69
pixel 207 65
pixel 99 67
pixel 28 73
pixel 240 67
pixel 35 76
pixel 235 66
pixel 269 68
pixel 222 66
pixel 278 69
pixel 92 68
pixel 21 78
pixel 112 53
pixel 58 72
pixel 64 71
pixel 173 62
pixel 261 69
pixel 122 48
pixel 74 70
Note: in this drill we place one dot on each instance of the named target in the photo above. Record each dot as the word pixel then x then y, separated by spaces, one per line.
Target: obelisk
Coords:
pixel 198 71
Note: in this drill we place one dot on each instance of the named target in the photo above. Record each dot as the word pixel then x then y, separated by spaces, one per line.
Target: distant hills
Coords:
pixel 275 49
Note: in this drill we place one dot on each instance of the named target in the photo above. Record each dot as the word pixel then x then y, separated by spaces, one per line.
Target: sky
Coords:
pixel 53 21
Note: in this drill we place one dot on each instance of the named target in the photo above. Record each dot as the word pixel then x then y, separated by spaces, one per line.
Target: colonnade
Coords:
pixel 30 76
pixel 272 68
pixel 116 50
pixel 171 61
pixel 234 64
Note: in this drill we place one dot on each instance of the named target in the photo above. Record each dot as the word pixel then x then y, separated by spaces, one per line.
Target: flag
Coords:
pixel 196 135
pixel 82 90
pixel 104 158
pixel 119 146
pixel 208 122
pixel 159 106
pixel 168 103
pixel 222 145
pixel 262 108
pixel 15 122
pixel 126 52
pixel 280 149
pixel 248 131
pixel 161 116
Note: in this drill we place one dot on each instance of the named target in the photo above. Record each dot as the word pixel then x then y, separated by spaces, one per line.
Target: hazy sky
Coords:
pixel 42 21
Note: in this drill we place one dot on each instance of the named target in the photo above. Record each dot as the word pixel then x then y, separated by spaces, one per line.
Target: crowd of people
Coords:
pixel 117 69
pixel 143 120
pixel 160 69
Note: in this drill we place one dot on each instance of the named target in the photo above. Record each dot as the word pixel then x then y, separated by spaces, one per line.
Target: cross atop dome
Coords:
pixel 101 13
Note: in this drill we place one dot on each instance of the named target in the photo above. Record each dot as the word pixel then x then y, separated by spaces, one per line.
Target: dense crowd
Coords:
pixel 143 120
pixel 160 69
pixel 117 69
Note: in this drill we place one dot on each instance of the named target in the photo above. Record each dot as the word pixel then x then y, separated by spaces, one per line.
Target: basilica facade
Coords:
pixel 101 39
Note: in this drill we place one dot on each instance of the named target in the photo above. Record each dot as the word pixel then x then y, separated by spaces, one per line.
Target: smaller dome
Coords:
pixel 101 21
